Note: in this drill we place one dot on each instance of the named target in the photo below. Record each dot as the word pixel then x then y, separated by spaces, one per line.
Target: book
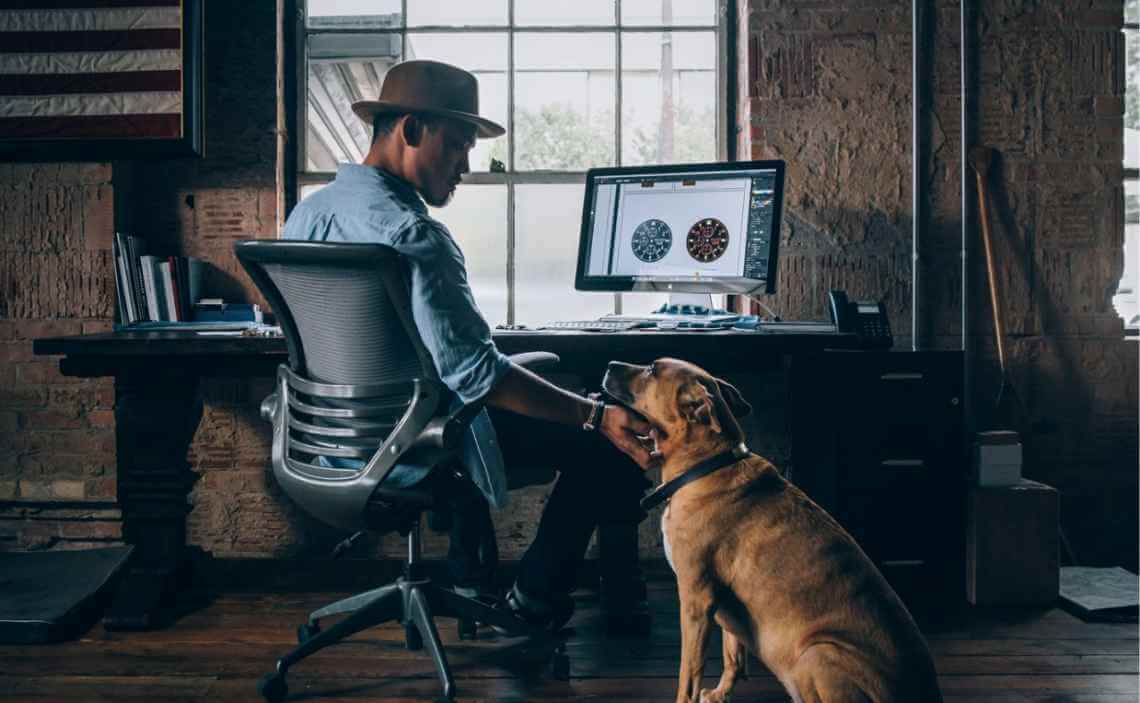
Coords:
pixel 127 313
pixel 176 286
pixel 147 264
pixel 135 248
pixel 152 288
pixel 168 291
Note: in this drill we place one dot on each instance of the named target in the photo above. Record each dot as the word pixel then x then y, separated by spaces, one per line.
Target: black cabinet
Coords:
pixel 878 442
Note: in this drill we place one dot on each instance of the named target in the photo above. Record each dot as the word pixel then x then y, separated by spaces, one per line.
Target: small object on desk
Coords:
pixel 511 327
pixel 262 330
pixel 227 312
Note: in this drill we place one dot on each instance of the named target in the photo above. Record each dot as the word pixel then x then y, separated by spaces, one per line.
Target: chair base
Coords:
pixel 414 602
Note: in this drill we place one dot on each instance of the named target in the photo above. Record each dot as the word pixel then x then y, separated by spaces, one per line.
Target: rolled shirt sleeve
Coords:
pixel 450 324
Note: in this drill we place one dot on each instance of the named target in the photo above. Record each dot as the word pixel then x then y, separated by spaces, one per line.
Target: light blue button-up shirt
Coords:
pixel 368 205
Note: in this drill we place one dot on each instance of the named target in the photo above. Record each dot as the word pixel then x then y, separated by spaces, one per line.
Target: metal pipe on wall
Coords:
pixel 964 110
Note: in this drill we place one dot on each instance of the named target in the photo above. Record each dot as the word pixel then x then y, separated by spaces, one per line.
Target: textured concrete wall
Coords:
pixel 826 89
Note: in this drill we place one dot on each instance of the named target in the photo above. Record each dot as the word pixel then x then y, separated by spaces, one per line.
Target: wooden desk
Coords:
pixel 158 408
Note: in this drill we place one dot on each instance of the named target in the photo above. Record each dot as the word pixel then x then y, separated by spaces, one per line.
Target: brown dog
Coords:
pixel 772 568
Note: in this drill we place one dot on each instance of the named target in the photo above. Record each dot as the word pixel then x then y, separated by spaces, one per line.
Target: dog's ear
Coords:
pixel 722 410
pixel 698 406
pixel 736 402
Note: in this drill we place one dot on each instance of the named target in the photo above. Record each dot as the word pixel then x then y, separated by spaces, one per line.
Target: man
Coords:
pixel 424 124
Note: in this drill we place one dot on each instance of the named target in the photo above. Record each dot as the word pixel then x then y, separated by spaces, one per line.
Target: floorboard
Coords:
pixel 225 642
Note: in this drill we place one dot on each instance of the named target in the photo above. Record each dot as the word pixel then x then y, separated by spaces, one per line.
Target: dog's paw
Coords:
pixel 713 696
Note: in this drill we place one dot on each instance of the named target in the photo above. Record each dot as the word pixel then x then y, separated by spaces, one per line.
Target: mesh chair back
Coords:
pixel 344 309
pixel 360 387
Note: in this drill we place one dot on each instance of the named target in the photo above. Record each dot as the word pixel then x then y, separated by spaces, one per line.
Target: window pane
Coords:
pixel 547 223
pixel 668 12
pixel 477 219
pixel 1132 11
pixel 309 189
pixel 557 14
pixel 485 55
pixel 564 101
pixel 635 304
pixel 458 13
pixel 353 14
pixel 670 115
pixel 343 68
pixel 1132 99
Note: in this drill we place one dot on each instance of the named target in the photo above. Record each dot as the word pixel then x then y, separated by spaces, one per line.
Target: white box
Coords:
pixel 997 464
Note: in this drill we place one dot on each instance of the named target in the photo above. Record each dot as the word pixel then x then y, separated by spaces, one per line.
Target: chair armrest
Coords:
pixel 536 361
pixel 269 407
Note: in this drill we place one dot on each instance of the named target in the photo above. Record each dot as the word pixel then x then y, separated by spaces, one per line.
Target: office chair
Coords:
pixel 359 385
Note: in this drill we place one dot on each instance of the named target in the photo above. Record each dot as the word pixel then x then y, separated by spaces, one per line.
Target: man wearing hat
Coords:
pixel 424 123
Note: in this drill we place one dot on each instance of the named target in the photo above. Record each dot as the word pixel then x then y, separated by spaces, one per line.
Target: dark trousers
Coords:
pixel 597 486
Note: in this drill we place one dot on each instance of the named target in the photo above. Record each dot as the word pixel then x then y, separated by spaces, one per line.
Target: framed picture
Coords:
pixel 100 80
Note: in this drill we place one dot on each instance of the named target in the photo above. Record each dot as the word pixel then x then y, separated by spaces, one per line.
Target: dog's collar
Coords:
pixel 666 490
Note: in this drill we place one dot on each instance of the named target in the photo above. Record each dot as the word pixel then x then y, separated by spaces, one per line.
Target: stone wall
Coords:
pixel 828 90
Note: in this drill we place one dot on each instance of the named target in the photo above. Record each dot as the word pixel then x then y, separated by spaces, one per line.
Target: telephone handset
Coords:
pixel 867 319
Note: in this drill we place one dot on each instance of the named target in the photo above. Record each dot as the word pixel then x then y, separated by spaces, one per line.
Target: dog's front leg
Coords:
pixel 734 652
pixel 696 619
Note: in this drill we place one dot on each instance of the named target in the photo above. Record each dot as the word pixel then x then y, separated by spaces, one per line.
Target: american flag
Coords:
pixel 101 69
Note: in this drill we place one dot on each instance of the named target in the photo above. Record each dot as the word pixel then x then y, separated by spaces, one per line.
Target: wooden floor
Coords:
pixel 219 651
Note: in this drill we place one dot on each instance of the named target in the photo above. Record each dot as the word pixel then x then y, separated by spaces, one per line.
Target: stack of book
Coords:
pixel 154 288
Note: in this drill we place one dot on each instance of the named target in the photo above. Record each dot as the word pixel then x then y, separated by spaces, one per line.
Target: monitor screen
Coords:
pixel 707 228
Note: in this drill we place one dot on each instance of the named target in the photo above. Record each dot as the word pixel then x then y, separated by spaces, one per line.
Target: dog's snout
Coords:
pixel 616 381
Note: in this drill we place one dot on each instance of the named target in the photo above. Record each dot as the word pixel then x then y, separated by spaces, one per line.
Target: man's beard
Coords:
pixel 440 202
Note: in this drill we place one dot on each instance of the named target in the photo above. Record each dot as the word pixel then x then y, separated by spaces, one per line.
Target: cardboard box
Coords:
pixel 1012 545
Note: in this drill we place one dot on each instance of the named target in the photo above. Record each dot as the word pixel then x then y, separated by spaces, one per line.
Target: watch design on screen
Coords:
pixel 707 240
pixel 651 241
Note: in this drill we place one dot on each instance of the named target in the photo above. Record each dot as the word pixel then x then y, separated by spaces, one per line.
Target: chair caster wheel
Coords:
pixel 468 629
pixel 412 638
pixel 272 687
pixel 307 632
pixel 558 668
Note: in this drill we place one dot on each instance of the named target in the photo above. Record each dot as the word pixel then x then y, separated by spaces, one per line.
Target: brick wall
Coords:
pixel 57 449
pixel 828 90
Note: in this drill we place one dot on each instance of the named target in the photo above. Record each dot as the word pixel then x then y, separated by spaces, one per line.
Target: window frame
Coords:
pixel 724 31
pixel 1128 175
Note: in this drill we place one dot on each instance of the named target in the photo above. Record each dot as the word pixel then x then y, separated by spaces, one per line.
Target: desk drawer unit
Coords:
pixel 877 440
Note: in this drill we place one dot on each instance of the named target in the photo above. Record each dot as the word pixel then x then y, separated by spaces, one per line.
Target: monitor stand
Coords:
pixel 687 307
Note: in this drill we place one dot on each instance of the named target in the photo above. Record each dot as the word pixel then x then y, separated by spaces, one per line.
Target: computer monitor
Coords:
pixel 692 228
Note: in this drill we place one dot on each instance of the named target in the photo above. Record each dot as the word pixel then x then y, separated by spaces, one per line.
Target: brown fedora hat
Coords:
pixel 432 88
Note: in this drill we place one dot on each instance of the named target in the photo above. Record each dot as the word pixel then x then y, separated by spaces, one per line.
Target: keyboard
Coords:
pixel 596 325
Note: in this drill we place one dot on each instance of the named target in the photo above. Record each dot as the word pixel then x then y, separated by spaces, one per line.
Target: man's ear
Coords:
pixel 736 402
pixel 697 406
pixel 412 129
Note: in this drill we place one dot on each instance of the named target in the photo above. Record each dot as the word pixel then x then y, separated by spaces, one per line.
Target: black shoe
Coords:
pixel 548 615
pixel 625 608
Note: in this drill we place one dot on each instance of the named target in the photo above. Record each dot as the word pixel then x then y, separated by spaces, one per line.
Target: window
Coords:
pixel 577 84
pixel 1125 301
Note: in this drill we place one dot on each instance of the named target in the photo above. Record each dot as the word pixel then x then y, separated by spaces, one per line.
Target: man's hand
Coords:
pixel 627 432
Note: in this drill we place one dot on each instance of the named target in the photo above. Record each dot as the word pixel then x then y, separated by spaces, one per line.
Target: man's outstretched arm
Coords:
pixel 526 393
